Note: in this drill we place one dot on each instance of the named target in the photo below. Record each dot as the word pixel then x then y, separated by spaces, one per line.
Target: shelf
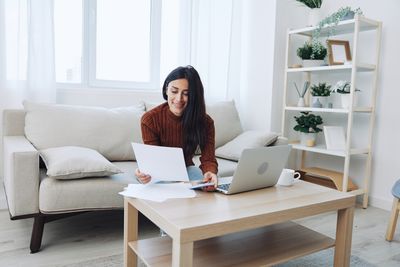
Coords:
pixel 343 27
pixel 361 67
pixel 263 246
pixel 362 109
pixel 332 179
pixel 322 150
pixel 309 109
pixel 329 110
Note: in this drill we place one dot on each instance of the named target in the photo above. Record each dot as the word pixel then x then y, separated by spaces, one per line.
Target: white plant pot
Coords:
pixel 312 63
pixel 345 99
pixel 308 139
pixel 314 17
pixel 321 99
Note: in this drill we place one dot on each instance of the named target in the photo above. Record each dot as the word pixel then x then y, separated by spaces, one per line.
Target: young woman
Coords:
pixel 182 122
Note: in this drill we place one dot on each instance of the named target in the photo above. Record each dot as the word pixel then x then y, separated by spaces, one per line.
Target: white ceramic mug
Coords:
pixel 288 177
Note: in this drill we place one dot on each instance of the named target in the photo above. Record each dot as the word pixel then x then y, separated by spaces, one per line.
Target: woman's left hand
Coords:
pixel 210 177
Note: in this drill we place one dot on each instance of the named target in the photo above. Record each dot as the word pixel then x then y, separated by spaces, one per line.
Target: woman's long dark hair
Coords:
pixel 194 115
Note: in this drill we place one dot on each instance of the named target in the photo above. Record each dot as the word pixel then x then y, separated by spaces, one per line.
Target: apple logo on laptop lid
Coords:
pixel 262 168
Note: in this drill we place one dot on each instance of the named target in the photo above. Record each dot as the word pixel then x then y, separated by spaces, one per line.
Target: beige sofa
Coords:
pixel 31 134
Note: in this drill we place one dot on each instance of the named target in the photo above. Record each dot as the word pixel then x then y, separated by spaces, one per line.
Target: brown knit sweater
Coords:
pixel 162 128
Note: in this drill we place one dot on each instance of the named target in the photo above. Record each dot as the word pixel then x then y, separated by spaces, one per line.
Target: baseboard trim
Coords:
pixel 385 204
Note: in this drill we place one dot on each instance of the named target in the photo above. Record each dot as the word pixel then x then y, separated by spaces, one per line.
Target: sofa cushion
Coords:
pixel 71 162
pixel 249 139
pixel 109 131
pixel 58 196
pixel 226 121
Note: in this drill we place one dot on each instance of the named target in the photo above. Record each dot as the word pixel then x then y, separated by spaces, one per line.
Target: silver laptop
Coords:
pixel 257 168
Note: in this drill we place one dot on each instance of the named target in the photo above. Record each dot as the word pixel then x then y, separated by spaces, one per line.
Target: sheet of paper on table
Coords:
pixel 159 192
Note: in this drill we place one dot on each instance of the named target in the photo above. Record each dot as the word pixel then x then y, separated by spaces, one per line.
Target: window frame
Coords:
pixel 88 64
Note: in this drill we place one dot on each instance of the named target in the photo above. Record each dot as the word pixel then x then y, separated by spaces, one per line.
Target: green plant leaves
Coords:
pixel 320 89
pixel 311 3
pixel 312 50
pixel 308 123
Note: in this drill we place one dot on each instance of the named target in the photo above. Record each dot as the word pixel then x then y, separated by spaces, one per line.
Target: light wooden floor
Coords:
pixel 93 235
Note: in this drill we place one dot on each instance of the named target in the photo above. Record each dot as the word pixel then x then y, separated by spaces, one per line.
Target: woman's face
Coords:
pixel 177 96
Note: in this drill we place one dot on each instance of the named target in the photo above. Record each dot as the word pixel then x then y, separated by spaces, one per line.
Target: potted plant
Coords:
pixel 307 125
pixel 315 7
pixel 331 21
pixel 312 54
pixel 320 93
pixel 343 88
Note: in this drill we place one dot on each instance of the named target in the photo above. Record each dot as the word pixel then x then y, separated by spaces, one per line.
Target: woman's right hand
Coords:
pixel 144 178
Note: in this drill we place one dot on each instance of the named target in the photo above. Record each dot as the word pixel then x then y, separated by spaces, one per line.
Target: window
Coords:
pixel 108 43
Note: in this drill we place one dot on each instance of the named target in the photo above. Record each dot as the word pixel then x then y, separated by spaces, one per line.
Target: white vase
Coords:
pixel 314 16
pixel 301 102
pixel 345 99
pixel 321 99
pixel 312 63
pixel 308 139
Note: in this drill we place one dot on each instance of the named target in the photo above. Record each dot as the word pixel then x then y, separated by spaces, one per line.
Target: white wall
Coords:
pixel 386 144
pixel 289 15
pixel 256 79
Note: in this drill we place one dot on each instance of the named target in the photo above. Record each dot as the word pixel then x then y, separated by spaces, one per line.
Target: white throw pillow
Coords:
pixel 71 162
pixel 108 131
pixel 249 139
pixel 226 121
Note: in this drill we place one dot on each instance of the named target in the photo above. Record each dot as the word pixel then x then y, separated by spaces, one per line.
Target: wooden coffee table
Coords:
pixel 247 229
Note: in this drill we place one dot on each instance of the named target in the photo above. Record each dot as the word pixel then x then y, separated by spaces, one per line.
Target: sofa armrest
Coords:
pixel 21 175
pixel 13 122
pixel 280 141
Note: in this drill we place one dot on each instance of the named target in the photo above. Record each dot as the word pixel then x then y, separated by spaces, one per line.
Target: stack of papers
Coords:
pixel 159 192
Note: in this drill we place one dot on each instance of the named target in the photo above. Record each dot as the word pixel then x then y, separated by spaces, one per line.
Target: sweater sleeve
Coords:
pixel 150 134
pixel 207 158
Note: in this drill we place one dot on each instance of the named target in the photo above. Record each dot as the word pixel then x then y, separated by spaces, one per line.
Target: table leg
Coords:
pixel 130 233
pixel 344 231
pixel 182 254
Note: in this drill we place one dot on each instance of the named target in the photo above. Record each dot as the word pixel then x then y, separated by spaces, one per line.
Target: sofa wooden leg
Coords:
pixel 37 233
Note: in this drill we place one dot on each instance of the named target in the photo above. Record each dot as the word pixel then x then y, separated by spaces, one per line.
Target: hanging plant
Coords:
pixel 333 20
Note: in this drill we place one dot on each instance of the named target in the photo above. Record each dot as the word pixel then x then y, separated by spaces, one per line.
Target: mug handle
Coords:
pixel 298 176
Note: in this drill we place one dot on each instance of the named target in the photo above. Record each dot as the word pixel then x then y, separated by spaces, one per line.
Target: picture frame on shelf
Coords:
pixel 334 137
pixel 338 52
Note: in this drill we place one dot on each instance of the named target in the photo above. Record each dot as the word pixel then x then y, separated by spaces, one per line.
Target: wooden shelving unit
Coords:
pixel 353 28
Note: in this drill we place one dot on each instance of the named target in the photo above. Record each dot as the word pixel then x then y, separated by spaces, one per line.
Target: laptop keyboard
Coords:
pixel 224 186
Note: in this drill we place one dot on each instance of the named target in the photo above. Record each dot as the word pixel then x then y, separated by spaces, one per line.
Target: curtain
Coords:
pixel 211 34
pixel 27 66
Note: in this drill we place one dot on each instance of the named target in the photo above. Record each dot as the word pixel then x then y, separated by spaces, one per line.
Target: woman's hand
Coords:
pixel 144 178
pixel 208 178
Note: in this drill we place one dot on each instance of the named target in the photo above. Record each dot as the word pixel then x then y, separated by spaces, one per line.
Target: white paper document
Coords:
pixel 159 192
pixel 160 162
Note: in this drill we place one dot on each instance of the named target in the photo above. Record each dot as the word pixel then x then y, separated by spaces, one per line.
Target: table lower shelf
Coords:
pixel 263 246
